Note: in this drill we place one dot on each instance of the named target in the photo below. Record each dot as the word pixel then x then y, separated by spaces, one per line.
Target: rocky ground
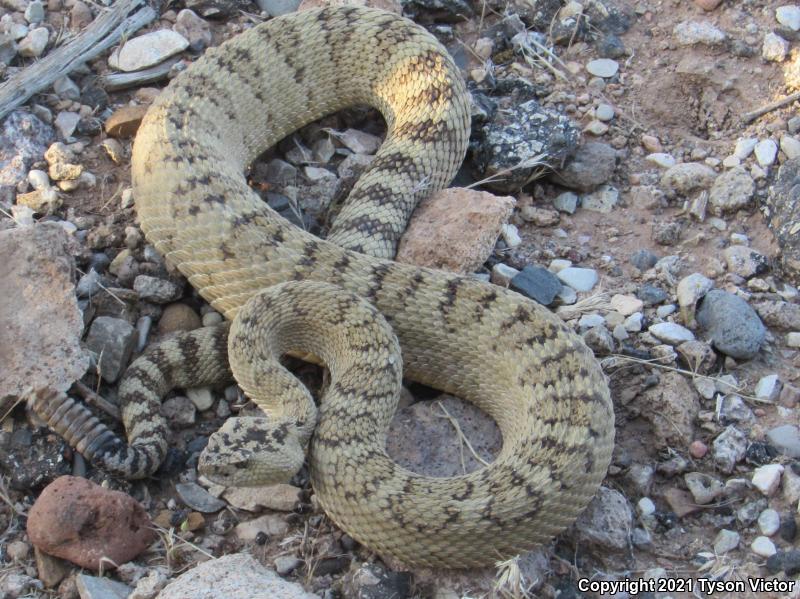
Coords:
pixel 621 178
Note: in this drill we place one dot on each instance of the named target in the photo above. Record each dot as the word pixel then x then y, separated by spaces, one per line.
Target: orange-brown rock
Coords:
pixel 125 121
pixel 455 229
pixel 82 522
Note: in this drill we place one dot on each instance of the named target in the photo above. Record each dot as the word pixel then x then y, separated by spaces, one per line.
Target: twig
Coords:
pixel 749 117
pixel 97 401
pixel 461 435
pixel 105 31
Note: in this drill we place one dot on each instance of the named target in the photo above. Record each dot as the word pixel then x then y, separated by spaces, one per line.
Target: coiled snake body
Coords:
pixel 334 298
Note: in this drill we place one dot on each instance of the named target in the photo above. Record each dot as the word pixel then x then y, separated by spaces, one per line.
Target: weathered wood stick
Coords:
pixel 122 19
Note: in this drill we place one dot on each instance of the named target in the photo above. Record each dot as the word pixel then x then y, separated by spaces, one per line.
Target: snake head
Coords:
pixel 250 452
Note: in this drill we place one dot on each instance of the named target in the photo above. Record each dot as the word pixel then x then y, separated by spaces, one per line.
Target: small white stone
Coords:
pixel 596 128
pixel 744 147
pixel 39 180
pixel 567 295
pixel 604 112
pixel 201 397
pixel 67 122
pixel 692 288
pixel 698 32
pixel 763 546
pixel 646 506
pixel 589 321
pixel 671 333
pixel 633 324
pixel 603 199
pixel 510 235
pixel 212 318
pixel 790 146
pixel 767 478
pixel 793 339
pixel 726 540
pixel 766 151
pixel 769 521
pixel 774 48
pixel 559 264
pixel 359 141
pixel 580 279
pixel 788 16
pixel 768 388
pixel 661 159
pixel 147 50
pixel 666 310
pixel 731 162
pixel 603 67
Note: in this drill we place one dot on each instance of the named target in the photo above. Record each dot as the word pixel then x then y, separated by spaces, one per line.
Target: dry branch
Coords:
pixel 115 23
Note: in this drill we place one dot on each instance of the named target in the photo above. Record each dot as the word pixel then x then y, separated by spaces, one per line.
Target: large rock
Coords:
pixel 671 407
pixel 731 191
pixel 592 164
pixel 455 229
pixel 37 273
pixel 519 141
pixel 23 140
pixel 607 522
pixel 112 341
pixel 782 209
pixel 82 522
pixel 237 576
pixel 731 325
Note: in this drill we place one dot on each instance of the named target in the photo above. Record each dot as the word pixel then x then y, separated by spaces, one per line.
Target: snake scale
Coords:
pixel 344 300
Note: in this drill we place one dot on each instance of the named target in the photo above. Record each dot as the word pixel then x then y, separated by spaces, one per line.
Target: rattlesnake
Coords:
pixel 334 298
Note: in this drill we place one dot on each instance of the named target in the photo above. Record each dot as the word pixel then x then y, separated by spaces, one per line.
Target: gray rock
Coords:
pixel 602 200
pixel 774 48
pixel 193 28
pixel 769 522
pixel 687 177
pixel 768 387
pixel 651 295
pixel 376 581
pixel 789 16
pixel 745 261
pixel 603 67
pixel 23 140
pixel 749 512
pixel 566 202
pixel 670 332
pixel 644 259
pixel 607 522
pixel 13 585
pixel 37 263
pixel 286 564
pixel 66 123
pixel 780 315
pixel 34 13
pixel 783 215
pixel 158 291
pixel 725 541
pixel 580 279
pixel 731 409
pixel 786 439
pixel 688 33
pixel 703 487
pixel 731 191
pixel 112 341
pixel 729 449
pixel 92 587
pixel 197 498
pixel 237 576
pixel 592 164
pixel 8 49
pixel 730 324
pixel 537 283
pixel 599 340
pixel 523 135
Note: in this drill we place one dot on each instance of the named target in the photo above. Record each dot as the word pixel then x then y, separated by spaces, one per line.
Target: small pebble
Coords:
pixel 763 546
pixel 725 541
pixel 788 16
pixel 580 279
pixel 671 333
pixel 767 478
pixel 769 521
pixel 698 449
pixel 603 67
pixel 766 152
pixel 604 112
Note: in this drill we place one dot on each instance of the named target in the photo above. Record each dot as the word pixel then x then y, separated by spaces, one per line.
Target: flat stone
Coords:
pixel 580 279
pixel 603 199
pixel 786 439
pixel 790 146
pixel 147 50
pixel 688 33
pixel 566 202
pixel 670 332
pixel 687 177
pixel 455 230
pixel 603 67
pixel 768 388
pixel 272 525
pixel 729 449
pixel 197 498
pixel 237 576
pixel 537 283
pixel 661 159
pixel 280 497
pixel 158 291
pixel 744 147
pixel 93 587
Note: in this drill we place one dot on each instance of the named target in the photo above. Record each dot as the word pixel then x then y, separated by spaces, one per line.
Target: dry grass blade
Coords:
pixel 510 582
pixel 533 162
pixel 596 302
pixel 462 437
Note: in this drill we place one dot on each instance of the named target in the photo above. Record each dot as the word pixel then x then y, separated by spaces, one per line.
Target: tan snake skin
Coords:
pixel 485 344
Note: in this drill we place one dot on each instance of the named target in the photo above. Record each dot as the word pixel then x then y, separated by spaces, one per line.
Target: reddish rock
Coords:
pixel 125 121
pixel 698 449
pixel 455 229
pixel 82 522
